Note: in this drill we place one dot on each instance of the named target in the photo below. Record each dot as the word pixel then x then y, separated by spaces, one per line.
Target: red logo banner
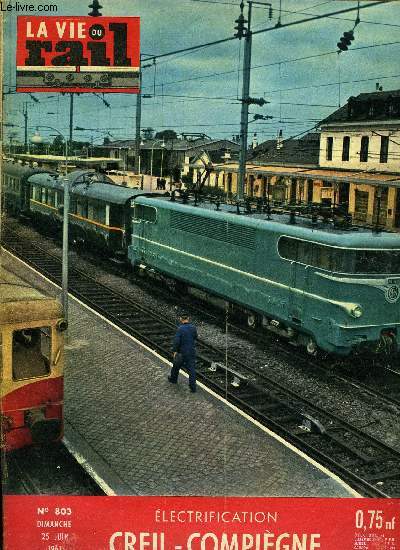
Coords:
pixel 199 523
pixel 78 54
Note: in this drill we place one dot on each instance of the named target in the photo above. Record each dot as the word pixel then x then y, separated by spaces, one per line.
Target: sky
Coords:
pixel 198 91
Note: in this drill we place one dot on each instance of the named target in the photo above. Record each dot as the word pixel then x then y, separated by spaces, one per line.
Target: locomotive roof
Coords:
pixel 20 302
pixel 279 224
pixel 92 185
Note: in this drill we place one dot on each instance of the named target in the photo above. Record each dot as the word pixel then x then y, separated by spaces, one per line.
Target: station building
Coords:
pixel 354 161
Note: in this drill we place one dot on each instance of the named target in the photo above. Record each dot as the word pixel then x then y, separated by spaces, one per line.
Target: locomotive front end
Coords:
pixel 370 286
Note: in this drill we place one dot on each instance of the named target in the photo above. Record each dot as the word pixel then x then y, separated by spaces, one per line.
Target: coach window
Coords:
pixel 145 213
pixel 50 197
pixel 100 213
pixel 82 208
pixel 91 211
pixel 31 353
pixel 72 205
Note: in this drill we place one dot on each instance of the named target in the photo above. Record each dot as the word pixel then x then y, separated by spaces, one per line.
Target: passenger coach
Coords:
pixel 100 211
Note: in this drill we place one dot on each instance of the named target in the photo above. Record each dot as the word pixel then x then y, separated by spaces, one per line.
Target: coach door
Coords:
pixel 143 220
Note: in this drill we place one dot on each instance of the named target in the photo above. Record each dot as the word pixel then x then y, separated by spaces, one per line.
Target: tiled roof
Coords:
pixel 368 106
pixel 175 144
pixel 292 151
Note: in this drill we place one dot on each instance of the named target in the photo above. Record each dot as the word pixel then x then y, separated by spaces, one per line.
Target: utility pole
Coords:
pixel 246 100
pixel 25 114
pixel 244 116
pixel 138 122
pixel 71 119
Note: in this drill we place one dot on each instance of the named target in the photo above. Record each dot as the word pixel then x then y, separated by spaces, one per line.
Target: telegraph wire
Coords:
pixel 269 29
pixel 275 63
pixel 305 12
pixel 331 84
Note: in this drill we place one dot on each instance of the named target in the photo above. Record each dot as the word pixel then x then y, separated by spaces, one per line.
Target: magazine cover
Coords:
pixel 200 274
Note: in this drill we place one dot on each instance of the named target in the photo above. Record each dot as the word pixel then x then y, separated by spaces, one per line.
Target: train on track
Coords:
pixel 304 278
pixel 32 364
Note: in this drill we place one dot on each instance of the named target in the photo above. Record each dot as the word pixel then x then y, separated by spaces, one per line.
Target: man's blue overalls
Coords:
pixel 185 344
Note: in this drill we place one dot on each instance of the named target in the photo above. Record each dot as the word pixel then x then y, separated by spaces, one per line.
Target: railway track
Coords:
pixel 369 465
pixel 46 470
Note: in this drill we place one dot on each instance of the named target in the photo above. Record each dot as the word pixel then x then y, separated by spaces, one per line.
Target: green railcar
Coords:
pixel 338 290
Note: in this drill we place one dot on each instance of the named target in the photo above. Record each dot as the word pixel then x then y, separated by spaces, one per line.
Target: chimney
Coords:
pixel 255 141
pixel 227 155
pixel 279 140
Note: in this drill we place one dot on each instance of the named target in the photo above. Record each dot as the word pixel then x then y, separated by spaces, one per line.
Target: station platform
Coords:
pixel 140 435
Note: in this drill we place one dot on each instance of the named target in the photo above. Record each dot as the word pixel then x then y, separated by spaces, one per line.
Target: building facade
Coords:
pixel 364 136
pixel 352 163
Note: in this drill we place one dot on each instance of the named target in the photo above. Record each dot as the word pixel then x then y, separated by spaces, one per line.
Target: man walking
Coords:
pixel 184 346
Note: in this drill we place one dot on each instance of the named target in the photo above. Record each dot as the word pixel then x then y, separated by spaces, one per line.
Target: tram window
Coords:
pixel 145 213
pixel 31 353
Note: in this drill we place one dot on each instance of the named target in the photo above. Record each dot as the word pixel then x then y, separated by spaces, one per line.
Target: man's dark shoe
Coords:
pixel 193 390
pixel 171 380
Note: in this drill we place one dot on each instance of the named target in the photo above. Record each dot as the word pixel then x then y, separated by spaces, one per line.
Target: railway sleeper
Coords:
pixel 368 459
pixel 286 418
pixel 394 474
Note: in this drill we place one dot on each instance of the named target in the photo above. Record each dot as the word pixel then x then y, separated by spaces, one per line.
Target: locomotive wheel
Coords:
pixel 311 347
pixel 253 320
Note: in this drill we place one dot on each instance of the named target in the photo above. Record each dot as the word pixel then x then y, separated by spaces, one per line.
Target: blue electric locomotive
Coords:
pixel 320 286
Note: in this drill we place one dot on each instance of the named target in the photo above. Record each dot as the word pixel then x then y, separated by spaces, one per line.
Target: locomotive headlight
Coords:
pixel 356 311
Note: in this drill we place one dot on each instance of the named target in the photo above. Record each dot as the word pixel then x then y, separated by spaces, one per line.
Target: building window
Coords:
pixel 364 149
pixel 346 148
pixel 371 110
pixel 383 157
pixel 329 148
